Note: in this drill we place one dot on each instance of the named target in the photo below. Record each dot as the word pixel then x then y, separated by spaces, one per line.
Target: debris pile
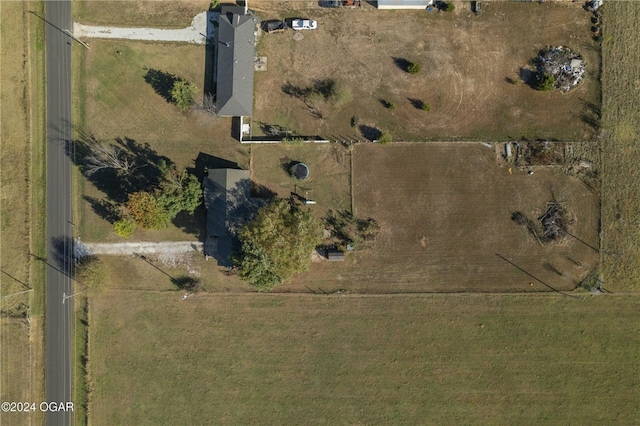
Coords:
pixel 554 222
pixel 566 67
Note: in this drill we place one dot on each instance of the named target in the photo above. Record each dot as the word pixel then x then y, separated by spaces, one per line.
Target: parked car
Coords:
pixel 330 3
pixel 304 24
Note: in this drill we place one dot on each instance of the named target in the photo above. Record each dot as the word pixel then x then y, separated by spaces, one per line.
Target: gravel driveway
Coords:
pixel 198 32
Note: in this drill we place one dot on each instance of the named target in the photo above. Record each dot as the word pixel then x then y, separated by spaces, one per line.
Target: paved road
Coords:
pixel 59 233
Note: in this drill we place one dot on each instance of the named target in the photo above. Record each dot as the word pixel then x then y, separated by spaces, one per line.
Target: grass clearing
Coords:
pixel 621 146
pixel 363 360
pixel 156 273
pixel 22 207
pixel 138 13
pixel 470 66
pixel 329 173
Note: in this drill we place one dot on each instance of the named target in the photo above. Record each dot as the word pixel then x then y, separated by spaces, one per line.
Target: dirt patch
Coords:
pixel 470 69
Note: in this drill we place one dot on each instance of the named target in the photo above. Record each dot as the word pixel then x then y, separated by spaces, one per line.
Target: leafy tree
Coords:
pixel 413 68
pixel 384 138
pixel 183 94
pixel 124 227
pixel 280 238
pixel 425 107
pixel 179 191
pixel 256 267
pixel 546 82
pixel 147 210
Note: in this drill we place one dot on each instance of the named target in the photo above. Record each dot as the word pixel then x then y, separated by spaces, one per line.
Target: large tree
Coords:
pixel 107 156
pixel 277 243
pixel 147 210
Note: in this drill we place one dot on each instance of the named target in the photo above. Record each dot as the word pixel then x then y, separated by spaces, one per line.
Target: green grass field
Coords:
pixel 262 359
pixel 621 146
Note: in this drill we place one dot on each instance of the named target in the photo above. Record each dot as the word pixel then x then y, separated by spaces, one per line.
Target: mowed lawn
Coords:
pixel 470 71
pixel 115 101
pixel 266 359
pixel 621 146
pixel 445 215
pixel 329 178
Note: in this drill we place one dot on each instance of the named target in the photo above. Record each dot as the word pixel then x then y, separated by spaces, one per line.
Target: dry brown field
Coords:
pixel 138 13
pixel 621 146
pixel 467 64
pixel 445 216
pixel 21 214
pixel 435 359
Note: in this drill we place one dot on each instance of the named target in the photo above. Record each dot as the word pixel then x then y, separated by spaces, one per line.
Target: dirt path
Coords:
pixel 140 247
pixel 198 32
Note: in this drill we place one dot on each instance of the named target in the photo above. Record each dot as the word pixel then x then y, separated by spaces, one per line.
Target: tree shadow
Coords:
pixel 416 103
pixel 259 190
pixel 187 283
pixel 162 82
pixel 385 103
pixel 62 251
pixel 295 91
pixel 204 162
pixel 401 63
pixel 529 77
pixel 194 224
pixel 145 175
pixel 105 209
pixel 370 132
pixel 286 163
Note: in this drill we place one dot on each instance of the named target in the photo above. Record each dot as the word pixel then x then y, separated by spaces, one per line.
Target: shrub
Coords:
pixel 183 94
pixel 425 107
pixel 124 227
pixel 413 68
pixel 391 105
pixel 449 7
pixel 384 138
pixel 546 82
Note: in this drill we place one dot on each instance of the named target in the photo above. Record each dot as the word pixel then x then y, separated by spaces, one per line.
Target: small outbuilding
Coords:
pixel 335 255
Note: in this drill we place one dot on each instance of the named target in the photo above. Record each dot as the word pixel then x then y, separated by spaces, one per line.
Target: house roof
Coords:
pixel 226 192
pixel 234 64
pixel 404 4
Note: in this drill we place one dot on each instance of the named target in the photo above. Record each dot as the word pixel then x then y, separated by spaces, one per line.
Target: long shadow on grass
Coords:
pixel 162 82
pixel 370 132
pixel 143 173
pixel 105 209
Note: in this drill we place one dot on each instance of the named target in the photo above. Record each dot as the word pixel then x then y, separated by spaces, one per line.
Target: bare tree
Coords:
pixel 103 156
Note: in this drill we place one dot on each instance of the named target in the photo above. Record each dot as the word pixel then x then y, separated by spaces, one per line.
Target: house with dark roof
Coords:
pixel 235 53
pixel 226 196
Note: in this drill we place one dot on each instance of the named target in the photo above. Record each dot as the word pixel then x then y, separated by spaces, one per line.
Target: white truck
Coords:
pixel 304 24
